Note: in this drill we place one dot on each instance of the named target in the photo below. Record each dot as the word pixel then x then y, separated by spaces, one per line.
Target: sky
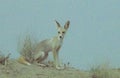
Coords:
pixel 92 38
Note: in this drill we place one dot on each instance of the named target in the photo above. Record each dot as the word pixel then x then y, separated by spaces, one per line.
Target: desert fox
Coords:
pixel 50 45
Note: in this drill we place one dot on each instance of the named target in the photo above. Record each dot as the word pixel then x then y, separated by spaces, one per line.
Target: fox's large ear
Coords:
pixel 66 26
pixel 58 25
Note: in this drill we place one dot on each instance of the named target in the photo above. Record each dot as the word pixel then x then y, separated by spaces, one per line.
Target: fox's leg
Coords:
pixel 41 56
pixel 56 60
pixel 55 56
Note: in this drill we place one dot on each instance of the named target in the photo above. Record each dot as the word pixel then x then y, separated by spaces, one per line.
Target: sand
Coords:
pixel 16 70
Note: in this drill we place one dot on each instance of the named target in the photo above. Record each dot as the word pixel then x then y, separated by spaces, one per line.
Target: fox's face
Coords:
pixel 62 30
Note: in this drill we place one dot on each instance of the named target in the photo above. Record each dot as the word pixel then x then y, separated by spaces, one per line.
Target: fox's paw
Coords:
pixel 42 65
pixel 28 63
pixel 60 67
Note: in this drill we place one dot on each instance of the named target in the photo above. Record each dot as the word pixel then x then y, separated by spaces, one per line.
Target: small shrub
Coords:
pixel 104 71
pixel 26 48
pixel 3 58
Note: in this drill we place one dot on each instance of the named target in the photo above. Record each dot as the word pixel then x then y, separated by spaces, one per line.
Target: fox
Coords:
pixel 50 45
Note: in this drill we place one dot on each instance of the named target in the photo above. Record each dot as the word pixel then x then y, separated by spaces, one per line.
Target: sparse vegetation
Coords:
pixel 17 70
pixel 3 58
pixel 26 48
pixel 104 71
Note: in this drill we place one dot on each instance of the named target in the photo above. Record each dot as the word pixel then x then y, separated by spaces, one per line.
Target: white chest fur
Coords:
pixel 56 42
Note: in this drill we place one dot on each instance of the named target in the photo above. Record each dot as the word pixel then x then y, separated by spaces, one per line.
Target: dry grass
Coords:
pixel 3 58
pixel 17 70
pixel 104 71
pixel 26 48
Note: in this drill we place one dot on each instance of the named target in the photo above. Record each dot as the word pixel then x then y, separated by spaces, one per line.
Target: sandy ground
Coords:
pixel 16 70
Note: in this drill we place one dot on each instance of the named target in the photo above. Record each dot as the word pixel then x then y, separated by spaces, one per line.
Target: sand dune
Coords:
pixel 17 70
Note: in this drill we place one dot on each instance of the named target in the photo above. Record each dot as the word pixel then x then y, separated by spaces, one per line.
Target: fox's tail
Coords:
pixel 22 60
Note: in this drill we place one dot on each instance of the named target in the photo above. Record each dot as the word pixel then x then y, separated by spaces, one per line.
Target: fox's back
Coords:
pixel 44 46
pixel 48 44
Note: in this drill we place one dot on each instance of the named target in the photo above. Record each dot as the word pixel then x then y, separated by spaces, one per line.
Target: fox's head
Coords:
pixel 62 30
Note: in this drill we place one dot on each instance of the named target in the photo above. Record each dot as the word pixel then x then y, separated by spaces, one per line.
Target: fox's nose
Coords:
pixel 60 36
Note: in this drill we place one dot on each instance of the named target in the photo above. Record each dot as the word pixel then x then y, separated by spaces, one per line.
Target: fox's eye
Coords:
pixel 58 32
pixel 63 32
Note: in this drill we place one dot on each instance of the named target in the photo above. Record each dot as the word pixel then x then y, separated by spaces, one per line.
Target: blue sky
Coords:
pixel 93 36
